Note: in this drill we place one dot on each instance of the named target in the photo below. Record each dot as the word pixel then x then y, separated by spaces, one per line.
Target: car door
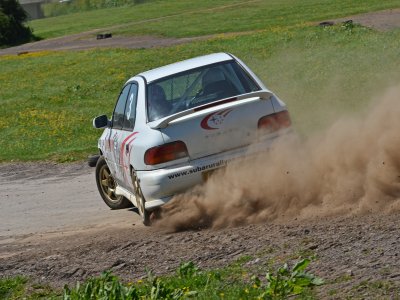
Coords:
pixel 126 136
pixel 114 132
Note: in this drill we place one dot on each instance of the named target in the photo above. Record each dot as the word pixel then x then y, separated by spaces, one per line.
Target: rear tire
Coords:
pixel 106 186
pixel 145 214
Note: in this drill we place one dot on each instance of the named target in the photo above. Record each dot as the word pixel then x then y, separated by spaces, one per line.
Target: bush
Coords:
pixel 12 28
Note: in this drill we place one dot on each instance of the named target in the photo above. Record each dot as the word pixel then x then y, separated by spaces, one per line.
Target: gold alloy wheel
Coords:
pixel 108 184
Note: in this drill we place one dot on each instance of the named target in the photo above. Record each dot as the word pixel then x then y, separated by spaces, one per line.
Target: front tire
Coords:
pixel 106 185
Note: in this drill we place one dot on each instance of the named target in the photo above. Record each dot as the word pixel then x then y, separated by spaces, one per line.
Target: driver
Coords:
pixel 157 103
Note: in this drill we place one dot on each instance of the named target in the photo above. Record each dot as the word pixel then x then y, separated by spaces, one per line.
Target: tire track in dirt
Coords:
pixel 352 254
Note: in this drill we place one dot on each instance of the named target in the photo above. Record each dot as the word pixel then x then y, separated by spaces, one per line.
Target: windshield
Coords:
pixel 196 87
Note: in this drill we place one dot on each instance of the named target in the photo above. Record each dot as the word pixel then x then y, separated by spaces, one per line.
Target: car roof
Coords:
pixel 182 66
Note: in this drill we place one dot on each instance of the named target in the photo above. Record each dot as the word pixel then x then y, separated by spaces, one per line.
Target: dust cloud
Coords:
pixel 351 168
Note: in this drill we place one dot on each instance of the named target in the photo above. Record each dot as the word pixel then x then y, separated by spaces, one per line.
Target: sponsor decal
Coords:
pixel 218 164
pixel 214 120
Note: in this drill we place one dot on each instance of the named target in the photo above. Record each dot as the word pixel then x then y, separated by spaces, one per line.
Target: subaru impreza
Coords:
pixel 174 125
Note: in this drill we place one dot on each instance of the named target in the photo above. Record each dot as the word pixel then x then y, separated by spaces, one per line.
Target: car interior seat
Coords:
pixel 215 82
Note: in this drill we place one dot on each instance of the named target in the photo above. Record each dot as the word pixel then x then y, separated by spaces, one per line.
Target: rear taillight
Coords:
pixel 164 153
pixel 275 122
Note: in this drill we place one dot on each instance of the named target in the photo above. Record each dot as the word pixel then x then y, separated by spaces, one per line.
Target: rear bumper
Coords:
pixel 159 186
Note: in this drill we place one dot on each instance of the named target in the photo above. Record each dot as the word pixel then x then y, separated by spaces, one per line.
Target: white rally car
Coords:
pixel 173 125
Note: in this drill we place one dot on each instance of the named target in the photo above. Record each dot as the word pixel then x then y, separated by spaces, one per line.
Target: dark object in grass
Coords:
pixel 348 25
pixel 103 36
pixel 348 22
pixel 92 160
pixel 326 23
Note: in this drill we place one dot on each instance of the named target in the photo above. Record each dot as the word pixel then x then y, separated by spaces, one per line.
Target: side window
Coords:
pixel 119 111
pixel 130 110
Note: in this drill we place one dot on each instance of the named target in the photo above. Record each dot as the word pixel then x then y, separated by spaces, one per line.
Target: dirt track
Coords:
pixel 57 230
pixel 43 197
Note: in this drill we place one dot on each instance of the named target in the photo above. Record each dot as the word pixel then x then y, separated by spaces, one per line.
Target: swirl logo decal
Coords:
pixel 214 120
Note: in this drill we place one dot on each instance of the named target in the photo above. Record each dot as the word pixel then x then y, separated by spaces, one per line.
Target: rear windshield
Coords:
pixel 197 87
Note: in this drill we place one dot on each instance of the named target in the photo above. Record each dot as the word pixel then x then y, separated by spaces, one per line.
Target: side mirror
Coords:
pixel 101 122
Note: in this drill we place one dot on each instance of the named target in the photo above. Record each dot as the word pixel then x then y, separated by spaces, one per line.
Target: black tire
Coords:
pixel 145 214
pixel 106 186
pixel 92 160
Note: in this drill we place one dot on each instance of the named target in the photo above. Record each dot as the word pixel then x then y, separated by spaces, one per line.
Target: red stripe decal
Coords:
pixel 121 153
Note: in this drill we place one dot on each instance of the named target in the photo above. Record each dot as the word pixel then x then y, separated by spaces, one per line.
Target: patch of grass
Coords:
pixel 332 292
pixel 40 291
pixel 376 289
pixel 343 278
pixel 18 287
pixel 129 16
pixel 182 18
pixel 52 9
pixel 253 16
pixel 191 282
pixel 244 259
pixel 266 251
pixel 11 287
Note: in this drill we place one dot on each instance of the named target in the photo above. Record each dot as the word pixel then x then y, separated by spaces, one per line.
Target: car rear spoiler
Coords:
pixel 253 96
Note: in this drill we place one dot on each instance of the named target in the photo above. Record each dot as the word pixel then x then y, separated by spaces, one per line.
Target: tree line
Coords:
pixel 13 30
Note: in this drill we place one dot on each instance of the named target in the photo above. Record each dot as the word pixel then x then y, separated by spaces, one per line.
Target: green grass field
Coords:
pixel 235 281
pixel 48 99
pixel 182 18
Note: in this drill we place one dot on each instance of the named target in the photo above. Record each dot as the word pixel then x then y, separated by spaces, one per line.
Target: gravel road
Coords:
pixel 46 197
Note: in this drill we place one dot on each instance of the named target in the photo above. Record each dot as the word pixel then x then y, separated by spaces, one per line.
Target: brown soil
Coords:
pixel 380 20
pixel 56 230
pixel 89 41
pixel 357 256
